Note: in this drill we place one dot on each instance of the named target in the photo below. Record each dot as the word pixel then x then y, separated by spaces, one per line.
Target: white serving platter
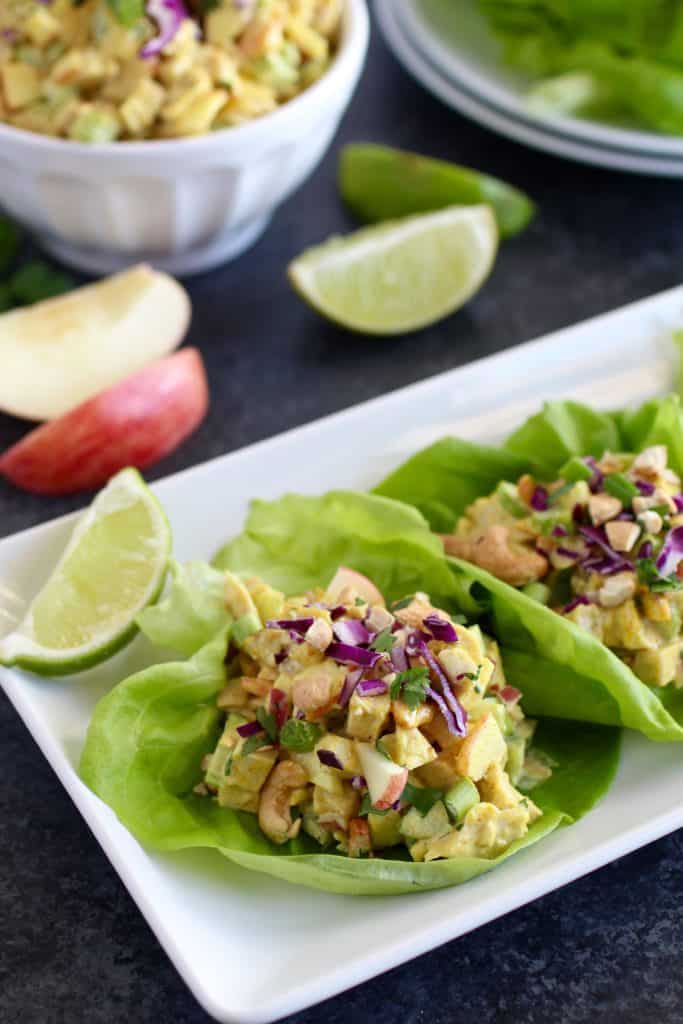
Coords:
pixel 540 133
pixel 253 949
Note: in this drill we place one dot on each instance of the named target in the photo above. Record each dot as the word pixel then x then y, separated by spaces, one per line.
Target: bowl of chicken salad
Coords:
pixel 167 130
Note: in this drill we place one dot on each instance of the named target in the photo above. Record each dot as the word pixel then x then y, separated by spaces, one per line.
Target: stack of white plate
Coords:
pixel 462 66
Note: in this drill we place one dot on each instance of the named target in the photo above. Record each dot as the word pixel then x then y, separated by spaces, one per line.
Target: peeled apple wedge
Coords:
pixel 134 423
pixel 58 353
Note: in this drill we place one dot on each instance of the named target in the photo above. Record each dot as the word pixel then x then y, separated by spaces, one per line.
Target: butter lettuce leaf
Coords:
pixel 148 736
pixel 192 611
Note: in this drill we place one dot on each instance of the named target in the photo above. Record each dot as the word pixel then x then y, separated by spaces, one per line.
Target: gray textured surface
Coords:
pixel 73 947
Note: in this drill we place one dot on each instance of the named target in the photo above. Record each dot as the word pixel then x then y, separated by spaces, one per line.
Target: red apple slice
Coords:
pixel 134 423
pixel 349 583
pixel 386 780
pixel 57 354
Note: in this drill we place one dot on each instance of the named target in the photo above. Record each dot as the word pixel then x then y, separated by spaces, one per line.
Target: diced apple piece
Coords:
pixel 59 353
pixel 483 747
pixel 386 780
pixel 347 584
pixel 135 423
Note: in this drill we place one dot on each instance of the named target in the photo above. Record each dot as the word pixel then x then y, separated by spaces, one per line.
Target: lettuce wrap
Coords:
pixel 586 681
pixel 148 736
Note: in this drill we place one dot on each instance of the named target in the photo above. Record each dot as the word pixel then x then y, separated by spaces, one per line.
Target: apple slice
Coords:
pixel 58 353
pixel 134 423
pixel 386 780
pixel 349 583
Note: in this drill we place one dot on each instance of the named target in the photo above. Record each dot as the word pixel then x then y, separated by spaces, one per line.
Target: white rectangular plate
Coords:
pixel 253 949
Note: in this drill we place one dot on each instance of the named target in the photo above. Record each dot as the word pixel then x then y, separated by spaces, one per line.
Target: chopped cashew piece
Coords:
pixel 274 812
pixel 617 589
pixel 651 462
pixel 622 535
pixel 603 507
pixel 651 521
pixel 493 551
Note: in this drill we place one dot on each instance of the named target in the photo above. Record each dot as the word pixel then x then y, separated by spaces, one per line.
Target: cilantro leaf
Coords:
pixel 300 736
pixel 621 487
pixel 383 642
pixel 411 687
pixel 252 744
pixel 127 12
pixel 269 723
pixel 422 799
pixel 648 574
pixel 367 808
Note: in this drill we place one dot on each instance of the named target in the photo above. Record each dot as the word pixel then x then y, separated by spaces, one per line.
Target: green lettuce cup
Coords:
pixel 148 736
pixel 588 682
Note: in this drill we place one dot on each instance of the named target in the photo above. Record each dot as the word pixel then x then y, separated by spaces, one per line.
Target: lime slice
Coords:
pixel 399 276
pixel 380 183
pixel 113 566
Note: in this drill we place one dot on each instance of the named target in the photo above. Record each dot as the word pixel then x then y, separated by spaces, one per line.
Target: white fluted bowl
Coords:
pixel 184 205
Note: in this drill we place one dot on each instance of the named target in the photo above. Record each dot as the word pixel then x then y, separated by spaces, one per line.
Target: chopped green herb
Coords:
pixel 422 799
pixel 383 642
pixel 269 722
pixel 620 487
pixel 559 493
pixel 402 603
pixel 411 687
pixel 252 744
pixel 367 808
pixel 127 12
pixel 379 746
pixel 575 469
pixel 37 281
pixel 9 244
pixel 648 574
pixel 473 675
pixel 299 736
pixel 206 6
pixel 359 602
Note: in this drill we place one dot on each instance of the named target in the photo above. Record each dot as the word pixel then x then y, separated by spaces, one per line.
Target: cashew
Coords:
pixel 274 814
pixel 492 550
pixel 418 609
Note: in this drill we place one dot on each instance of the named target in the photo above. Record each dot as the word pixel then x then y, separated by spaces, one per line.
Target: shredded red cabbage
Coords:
pixel 297 626
pixel 169 16
pixel 596 481
pixel 671 553
pixel 330 759
pixel 678 499
pixel 581 599
pixel 559 531
pixel 440 629
pixel 539 499
pixel 350 684
pixel 415 640
pixel 579 513
pixel 445 711
pixel 351 631
pixel 348 654
pixel 398 658
pixel 646 550
pixel 371 687
pixel 458 711
pixel 337 612
pixel 567 553
pixel 358 782
pixel 646 488
pixel 596 535
pixel 249 729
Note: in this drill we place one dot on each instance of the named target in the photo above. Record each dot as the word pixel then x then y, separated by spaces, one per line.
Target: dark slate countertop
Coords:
pixel 73 947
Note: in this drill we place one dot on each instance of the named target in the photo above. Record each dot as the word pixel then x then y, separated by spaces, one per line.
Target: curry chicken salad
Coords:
pixel 101 70
pixel 369 728
pixel 602 545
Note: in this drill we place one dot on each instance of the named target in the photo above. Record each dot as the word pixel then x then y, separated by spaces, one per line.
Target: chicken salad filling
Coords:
pixel 602 545
pixel 367 727
pixel 103 70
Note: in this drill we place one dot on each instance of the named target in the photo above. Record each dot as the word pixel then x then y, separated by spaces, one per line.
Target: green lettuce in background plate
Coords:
pixel 147 737
pixel 585 681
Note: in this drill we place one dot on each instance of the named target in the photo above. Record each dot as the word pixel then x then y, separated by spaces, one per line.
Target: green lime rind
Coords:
pixel 84 582
pixel 380 183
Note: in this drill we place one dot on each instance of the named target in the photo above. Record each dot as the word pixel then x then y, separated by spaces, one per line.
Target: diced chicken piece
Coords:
pixel 659 498
pixel 483 746
pixel 409 718
pixel 589 617
pixel 319 774
pixel 335 810
pixel 409 748
pixel 651 462
pixel 623 626
pixel 41 27
pixel 315 689
pixel 496 788
pixel 617 589
pixel 319 635
pixel 656 607
pixel 659 667
pixel 251 772
pixel 379 618
pixel 622 535
pixel 651 521
pixel 419 608
pixel 486 832
pixel 603 507
pixel 232 696
pixel 343 749
pixel 238 798
pixel 367 716
pixel 457 663
pixel 20 84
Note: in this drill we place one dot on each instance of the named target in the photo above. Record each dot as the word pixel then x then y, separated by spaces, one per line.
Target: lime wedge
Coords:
pixel 380 183
pixel 402 275
pixel 113 566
